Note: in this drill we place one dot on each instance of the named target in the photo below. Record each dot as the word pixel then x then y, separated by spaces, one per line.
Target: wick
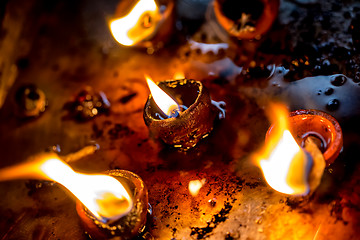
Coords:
pixel 85 151
pixel 174 113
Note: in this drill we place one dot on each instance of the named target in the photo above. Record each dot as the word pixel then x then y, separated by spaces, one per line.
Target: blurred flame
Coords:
pixel 195 186
pixel 166 104
pixel 140 23
pixel 179 75
pixel 284 164
pixel 104 196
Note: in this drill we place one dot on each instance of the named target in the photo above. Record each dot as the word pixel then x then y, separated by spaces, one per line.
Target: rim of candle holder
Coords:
pixel 185 130
pixel 311 122
pixel 263 24
pixel 128 226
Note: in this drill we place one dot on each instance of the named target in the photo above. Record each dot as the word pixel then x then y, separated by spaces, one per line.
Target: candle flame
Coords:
pixel 179 75
pixel 166 104
pixel 285 165
pixel 195 186
pixel 139 24
pixel 104 196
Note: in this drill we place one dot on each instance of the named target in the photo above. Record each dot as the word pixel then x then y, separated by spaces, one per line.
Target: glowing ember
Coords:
pixel 139 24
pixel 166 104
pixel 104 196
pixel 286 167
pixel 195 186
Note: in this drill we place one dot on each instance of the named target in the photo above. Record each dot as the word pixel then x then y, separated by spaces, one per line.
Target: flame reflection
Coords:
pixel 139 24
pixel 285 165
pixel 195 186
pixel 166 104
pixel 104 196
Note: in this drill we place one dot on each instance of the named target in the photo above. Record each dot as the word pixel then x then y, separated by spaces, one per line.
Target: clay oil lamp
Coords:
pixel 321 128
pixel 143 23
pixel 111 205
pixel 31 101
pixel 298 147
pixel 246 19
pixel 128 224
pixel 180 112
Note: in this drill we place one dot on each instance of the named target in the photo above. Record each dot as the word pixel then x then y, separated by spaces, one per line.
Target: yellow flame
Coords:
pixel 140 23
pixel 195 186
pixel 104 196
pixel 284 164
pixel 166 104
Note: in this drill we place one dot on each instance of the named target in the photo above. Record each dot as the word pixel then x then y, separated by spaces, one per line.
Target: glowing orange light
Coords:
pixel 284 164
pixel 179 75
pixel 139 24
pixel 104 196
pixel 195 186
pixel 166 104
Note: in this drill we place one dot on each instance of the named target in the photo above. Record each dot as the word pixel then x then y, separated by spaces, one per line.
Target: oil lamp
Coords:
pixel 31 101
pixel 298 147
pixel 183 119
pixel 246 19
pixel 111 205
pixel 142 23
pixel 128 225
pixel 321 127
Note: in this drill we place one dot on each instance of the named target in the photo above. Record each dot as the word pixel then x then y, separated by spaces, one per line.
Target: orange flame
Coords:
pixel 179 75
pixel 166 104
pixel 139 24
pixel 195 186
pixel 104 196
pixel 284 164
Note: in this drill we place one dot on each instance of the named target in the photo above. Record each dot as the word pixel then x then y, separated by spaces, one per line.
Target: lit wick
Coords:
pixel 145 24
pixel 167 104
pixel 195 186
pixel 126 29
pixel 128 226
pixel 116 203
pixel 287 167
pixel 184 122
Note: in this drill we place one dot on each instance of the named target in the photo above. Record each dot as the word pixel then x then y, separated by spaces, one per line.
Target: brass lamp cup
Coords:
pixel 163 29
pixel 263 23
pixel 191 125
pixel 128 226
pixel 305 123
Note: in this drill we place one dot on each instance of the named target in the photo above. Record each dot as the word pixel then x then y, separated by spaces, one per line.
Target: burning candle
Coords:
pixel 127 225
pixel 295 165
pixel 146 24
pixel 109 205
pixel 321 127
pixel 195 186
pixel 250 20
pixel 181 112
